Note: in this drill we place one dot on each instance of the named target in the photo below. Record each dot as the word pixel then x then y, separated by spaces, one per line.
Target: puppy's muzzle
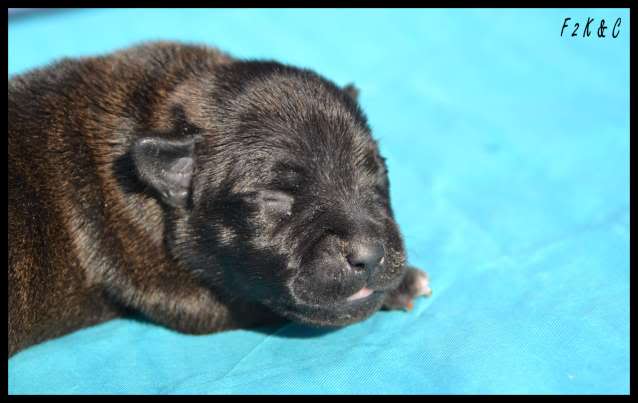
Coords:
pixel 365 255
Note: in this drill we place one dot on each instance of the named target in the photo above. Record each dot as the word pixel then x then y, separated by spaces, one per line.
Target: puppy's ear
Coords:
pixel 352 91
pixel 166 166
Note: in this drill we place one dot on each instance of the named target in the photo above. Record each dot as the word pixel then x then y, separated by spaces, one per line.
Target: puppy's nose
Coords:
pixel 365 255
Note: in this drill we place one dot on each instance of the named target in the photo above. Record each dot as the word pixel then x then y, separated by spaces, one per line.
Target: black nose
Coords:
pixel 365 255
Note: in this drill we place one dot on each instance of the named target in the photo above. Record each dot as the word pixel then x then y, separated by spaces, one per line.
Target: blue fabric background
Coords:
pixel 508 151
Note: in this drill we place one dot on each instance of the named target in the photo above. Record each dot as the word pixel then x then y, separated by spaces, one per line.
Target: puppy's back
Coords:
pixel 67 124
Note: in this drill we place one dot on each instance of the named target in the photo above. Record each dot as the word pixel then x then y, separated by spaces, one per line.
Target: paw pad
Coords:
pixel 415 284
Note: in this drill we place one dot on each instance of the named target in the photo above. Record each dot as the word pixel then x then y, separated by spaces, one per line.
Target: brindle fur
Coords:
pixel 86 238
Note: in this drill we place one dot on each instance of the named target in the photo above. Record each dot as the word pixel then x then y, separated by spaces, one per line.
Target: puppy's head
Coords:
pixel 277 194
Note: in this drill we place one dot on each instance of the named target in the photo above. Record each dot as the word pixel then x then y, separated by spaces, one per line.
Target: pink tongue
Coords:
pixel 362 293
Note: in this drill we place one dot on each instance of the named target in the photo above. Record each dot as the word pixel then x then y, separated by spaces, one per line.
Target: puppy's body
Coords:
pixel 150 181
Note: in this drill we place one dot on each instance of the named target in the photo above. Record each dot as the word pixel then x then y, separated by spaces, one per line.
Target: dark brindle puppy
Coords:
pixel 202 192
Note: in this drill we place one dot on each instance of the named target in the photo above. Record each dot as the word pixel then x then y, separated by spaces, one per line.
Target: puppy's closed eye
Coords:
pixel 276 202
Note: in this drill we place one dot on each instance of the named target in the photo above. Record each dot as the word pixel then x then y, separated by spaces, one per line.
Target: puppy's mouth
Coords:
pixel 354 308
pixel 363 293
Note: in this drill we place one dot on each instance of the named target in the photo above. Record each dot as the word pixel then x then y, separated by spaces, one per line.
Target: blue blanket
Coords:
pixel 508 152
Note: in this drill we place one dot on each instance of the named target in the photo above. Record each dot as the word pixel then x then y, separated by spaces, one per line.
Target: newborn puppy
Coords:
pixel 202 192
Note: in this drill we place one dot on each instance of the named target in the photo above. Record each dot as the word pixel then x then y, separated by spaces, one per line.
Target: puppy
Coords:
pixel 199 191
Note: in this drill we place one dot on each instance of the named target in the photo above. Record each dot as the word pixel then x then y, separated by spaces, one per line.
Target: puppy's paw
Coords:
pixel 414 284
